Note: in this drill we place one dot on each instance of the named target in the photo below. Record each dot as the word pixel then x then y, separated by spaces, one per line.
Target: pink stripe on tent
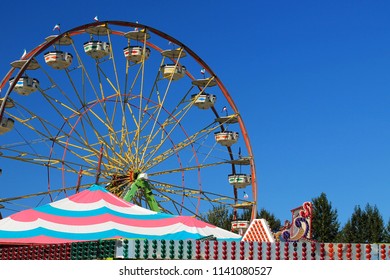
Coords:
pixel 88 196
pixel 31 215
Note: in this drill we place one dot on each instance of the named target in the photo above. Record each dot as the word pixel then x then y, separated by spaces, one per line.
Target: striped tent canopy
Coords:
pixel 95 214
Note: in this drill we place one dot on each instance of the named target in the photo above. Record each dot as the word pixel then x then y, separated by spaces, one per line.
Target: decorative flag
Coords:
pixel 56 27
pixel 24 53
pixel 136 29
pixel 96 18
pixel 224 109
pixel 202 71
pixel 246 196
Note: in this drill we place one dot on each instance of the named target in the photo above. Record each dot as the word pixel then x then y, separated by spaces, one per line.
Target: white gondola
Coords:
pixel 97 49
pixel 240 180
pixel 136 53
pixel 33 65
pixel 99 30
pixel 204 100
pixel 243 205
pixel 228 119
pixel 242 161
pixel 139 35
pixel 172 71
pixel 226 138
pixel 63 41
pixel 58 59
pixel 176 53
pixel 207 82
pixel 240 226
pixel 25 85
pixel 8 104
pixel 6 125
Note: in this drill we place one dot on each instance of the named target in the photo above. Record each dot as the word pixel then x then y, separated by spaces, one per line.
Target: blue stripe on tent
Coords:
pixel 95 188
pixel 48 209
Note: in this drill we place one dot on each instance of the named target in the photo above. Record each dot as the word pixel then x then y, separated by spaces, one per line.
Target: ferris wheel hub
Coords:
pixel 143 176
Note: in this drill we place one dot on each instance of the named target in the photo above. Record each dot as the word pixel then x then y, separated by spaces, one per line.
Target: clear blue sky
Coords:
pixel 310 78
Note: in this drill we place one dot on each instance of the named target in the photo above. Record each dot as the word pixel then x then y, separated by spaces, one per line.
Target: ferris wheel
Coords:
pixel 128 107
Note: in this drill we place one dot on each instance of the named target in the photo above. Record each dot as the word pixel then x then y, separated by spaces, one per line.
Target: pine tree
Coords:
pixel 376 231
pixel 219 216
pixel 325 225
pixel 354 230
pixel 364 226
pixel 273 222
pixel 387 233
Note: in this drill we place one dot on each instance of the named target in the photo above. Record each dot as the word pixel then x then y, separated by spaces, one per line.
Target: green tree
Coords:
pixel 219 216
pixel 325 225
pixel 354 229
pixel 274 223
pixel 364 226
pixel 376 231
pixel 387 236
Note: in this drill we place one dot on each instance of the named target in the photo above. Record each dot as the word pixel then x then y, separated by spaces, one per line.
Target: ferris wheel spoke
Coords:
pixel 189 141
pixel 74 148
pixel 161 101
pixel 136 141
pixel 26 122
pixel 55 85
pixel 123 135
pixel 47 139
pixel 171 120
pixel 178 111
pixel 176 122
pixel 138 119
pixel 189 168
pixel 112 143
pixel 101 73
pixel 194 193
pixel 112 57
pixel 100 98
pixel 108 122
pixel 28 157
pixel 85 79
pixel 122 140
pixel 143 110
pixel 172 192
pixel 56 105
pixel 142 128
pixel 53 163
pixel 166 198
pixel 89 157
pixel 132 144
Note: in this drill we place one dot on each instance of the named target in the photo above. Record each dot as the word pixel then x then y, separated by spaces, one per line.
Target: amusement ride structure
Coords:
pixel 128 107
